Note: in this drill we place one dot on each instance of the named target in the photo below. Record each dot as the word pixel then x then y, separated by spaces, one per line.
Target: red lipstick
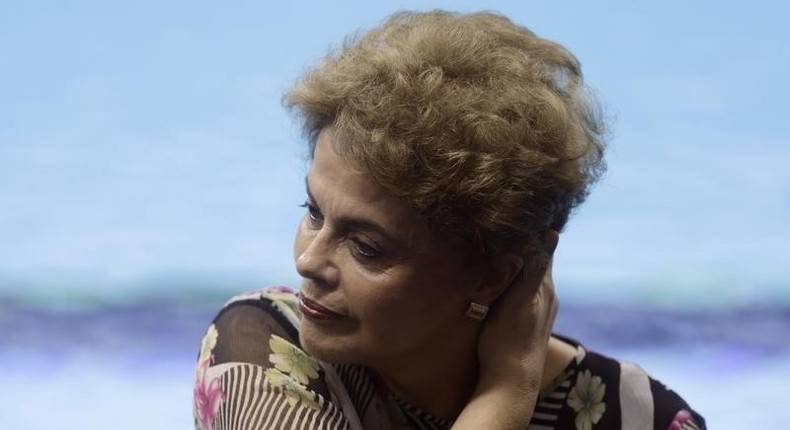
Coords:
pixel 314 311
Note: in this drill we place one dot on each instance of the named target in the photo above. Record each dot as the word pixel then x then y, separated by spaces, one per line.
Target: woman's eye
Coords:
pixel 314 216
pixel 366 250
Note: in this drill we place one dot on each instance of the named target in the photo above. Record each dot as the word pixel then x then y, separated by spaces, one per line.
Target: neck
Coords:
pixel 439 379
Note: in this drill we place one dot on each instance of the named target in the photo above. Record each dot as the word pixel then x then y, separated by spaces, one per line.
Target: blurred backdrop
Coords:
pixel 148 172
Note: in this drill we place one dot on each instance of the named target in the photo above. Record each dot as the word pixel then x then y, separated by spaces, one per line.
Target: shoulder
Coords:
pixel 627 391
pixel 250 363
pixel 247 323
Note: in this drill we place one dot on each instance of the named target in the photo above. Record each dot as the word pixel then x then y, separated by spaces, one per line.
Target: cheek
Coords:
pixel 442 294
pixel 401 318
pixel 404 301
pixel 374 299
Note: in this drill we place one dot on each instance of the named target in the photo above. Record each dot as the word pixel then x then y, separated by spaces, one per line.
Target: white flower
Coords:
pixel 208 343
pixel 294 391
pixel 282 298
pixel 586 398
pixel 292 361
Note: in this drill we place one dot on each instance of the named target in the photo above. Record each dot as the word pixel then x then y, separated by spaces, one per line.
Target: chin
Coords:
pixel 327 347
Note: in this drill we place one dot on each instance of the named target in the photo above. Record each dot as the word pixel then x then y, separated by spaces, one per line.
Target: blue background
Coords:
pixel 148 172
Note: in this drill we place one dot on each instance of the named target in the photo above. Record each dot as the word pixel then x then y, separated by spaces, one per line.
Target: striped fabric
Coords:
pixel 358 384
pixel 549 407
pixel 251 402
pixel 636 399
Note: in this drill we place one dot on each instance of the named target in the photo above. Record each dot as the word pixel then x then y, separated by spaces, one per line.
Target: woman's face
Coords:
pixel 377 286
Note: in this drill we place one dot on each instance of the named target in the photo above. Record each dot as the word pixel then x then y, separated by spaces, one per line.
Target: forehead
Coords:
pixel 332 174
pixel 343 191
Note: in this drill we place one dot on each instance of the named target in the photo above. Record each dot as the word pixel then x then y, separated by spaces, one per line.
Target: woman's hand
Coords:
pixel 515 335
pixel 512 351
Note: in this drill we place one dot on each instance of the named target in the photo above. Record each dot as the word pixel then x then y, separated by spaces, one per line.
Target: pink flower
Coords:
pixel 208 395
pixel 683 421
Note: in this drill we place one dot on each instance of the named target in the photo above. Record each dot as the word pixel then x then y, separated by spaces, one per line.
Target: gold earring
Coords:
pixel 477 311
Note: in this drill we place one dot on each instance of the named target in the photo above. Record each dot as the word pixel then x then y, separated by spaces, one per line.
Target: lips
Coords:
pixel 314 311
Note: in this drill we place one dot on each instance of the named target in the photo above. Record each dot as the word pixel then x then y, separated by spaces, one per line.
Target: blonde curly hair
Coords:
pixel 482 127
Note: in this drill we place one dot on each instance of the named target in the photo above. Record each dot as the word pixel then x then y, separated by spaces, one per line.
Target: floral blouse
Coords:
pixel 252 374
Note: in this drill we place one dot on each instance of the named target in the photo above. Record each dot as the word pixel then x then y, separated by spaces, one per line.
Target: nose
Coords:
pixel 315 257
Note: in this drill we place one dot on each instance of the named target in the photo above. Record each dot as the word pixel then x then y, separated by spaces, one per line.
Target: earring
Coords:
pixel 477 311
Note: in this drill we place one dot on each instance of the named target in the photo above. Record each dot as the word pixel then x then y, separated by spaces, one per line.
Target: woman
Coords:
pixel 447 152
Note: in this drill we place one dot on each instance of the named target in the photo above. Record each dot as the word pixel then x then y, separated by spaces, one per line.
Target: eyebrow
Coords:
pixel 354 222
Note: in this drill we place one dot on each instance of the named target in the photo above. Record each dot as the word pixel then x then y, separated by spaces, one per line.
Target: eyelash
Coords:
pixel 365 250
pixel 361 249
pixel 315 217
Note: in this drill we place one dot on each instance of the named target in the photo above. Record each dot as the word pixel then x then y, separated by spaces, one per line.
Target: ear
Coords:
pixel 497 275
